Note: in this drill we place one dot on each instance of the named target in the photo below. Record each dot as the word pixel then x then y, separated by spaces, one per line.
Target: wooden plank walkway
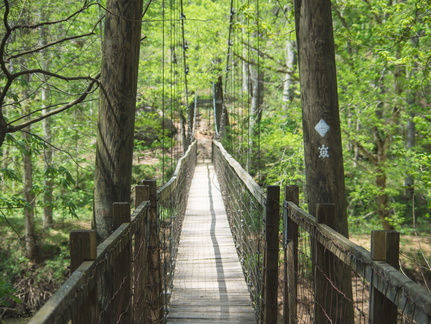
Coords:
pixel 209 285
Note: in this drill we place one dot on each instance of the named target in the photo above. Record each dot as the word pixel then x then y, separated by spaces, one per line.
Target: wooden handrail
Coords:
pixel 413 299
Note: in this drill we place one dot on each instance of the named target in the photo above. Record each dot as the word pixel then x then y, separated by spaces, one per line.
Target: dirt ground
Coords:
pixel 415 256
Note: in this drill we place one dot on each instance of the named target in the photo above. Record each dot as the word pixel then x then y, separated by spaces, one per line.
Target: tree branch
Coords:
pixel 54 22
pixel 366 152
pixel 48 45
pixel 12 129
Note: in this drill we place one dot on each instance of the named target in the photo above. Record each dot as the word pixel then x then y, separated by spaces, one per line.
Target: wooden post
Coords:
pixel 83 247
pixel 122 269
pixel 140 269
pixel 290 259
pixel 141 194
pixel 270 280
pixel 154 283
pixel 384 247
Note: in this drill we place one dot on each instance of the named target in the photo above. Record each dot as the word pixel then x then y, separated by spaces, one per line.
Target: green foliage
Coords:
pixel 7 293
pixel 383 70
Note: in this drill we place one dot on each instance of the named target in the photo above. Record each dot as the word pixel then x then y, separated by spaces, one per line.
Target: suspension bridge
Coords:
pixel 187 255
pixel 211 246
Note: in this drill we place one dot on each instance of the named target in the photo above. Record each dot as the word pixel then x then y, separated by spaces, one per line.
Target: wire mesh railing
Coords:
pixel 244 202
pixel 77 299
pixel 310 257
pixel 128 277
pixel 311 292
pixel 172 202
pixel 247 207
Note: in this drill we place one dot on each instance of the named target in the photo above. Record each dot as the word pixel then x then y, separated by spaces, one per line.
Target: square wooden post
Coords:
pixel 83 247
pixel 140 268
pixel 385 246
pixel 154 282
pixel 290 259
pixel 270 279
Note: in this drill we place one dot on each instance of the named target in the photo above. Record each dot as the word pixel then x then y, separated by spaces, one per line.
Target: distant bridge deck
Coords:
pixel 209 285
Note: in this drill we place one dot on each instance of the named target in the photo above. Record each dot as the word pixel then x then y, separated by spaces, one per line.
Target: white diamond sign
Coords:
pixel 322 128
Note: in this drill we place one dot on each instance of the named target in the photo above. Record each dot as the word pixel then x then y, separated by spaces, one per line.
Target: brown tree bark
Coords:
pixel 119 75
pixel 322 135
pixel 29 197
pixel 323 151
pixel 48 220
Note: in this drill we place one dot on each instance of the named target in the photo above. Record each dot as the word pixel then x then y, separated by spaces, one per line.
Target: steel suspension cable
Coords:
pixel 163 93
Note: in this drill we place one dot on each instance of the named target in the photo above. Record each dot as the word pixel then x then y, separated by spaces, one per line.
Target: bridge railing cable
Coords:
pixel 304 286
pixel 128 277
pixel 311 291
pixel 171 201
pixel 245 203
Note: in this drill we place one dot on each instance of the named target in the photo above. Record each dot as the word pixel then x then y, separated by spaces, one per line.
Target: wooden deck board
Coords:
pixel 209 285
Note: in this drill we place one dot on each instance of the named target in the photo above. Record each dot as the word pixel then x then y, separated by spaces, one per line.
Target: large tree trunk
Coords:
pixel 119 75
pixel 321 121
pixel 322 141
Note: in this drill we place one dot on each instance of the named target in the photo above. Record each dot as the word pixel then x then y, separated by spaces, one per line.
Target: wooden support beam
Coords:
pixel 83 247
pixel 290 290
pixel 140 268
pixel 270 280
pixel 385 246
pixel 154 282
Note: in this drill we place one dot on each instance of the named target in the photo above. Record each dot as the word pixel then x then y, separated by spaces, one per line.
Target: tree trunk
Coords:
pixel 221 115
pixel 290 65
pixel 119 75
pixel 190 122
pixel 46 125
pixel 383 200
pixel 48 220
pixel 321 122
pixel 411 127
pixel 218 104
pixel 183 131
pixel 322 136
pixel 246 84
pixel 410 143
pixel 29 197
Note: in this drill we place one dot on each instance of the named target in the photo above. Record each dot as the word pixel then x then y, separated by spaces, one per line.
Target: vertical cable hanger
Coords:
pixel 229 68
pixel 229 44
pixel 249 91
pixel 185 47
pixel 260 90
pixel 163 93
pixel 174 76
